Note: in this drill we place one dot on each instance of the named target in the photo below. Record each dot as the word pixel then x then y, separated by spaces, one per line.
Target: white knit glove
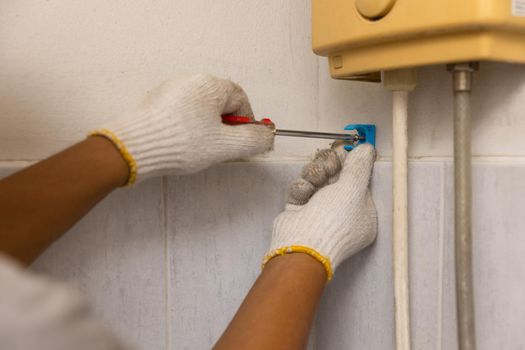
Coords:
pixel 330 213
pixel 178 128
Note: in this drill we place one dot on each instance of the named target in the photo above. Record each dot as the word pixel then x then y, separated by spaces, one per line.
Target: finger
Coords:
pixel 339 148
pixel 187 88
pixel 237 101
pixel 300 192
pixel 241 141
pixel 292 207
pixel 325 165
pixel 323 169
pixel 358 166
pixel 161 94
pixel 229 98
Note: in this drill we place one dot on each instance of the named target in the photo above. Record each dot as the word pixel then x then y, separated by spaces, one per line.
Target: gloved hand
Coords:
pixel 178 128
pixel 330 213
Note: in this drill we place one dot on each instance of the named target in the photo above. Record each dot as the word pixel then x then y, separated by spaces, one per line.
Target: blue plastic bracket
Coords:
pixel 368 131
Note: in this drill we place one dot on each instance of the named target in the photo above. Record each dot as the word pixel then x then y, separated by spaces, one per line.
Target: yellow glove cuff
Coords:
pixel 300 249
pixel 128 158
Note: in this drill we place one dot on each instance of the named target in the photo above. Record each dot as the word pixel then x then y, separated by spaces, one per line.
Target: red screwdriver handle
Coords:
pixel 240 119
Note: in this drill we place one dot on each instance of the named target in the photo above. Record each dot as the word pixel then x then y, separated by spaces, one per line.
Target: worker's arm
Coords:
pixel 176 130
pixel 41 202
pixel 329 217
pixel 279 310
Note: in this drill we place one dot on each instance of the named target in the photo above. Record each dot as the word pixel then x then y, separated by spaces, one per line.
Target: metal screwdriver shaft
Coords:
pixel 240 119
pixel 318 135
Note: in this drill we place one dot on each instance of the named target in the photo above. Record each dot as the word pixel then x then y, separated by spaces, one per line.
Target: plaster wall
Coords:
pixel 166 278
pixel 68 66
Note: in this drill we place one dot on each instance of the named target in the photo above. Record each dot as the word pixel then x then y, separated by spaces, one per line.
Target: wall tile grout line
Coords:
pixel 440 303
pixel 167 274
pixel 313 338
pixel 19 164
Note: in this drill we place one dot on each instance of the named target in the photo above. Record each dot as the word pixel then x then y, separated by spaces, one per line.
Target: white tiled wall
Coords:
pixel 220 225
pixel 116 256
pixel 170 269
pixel 498 227
pixel 167 263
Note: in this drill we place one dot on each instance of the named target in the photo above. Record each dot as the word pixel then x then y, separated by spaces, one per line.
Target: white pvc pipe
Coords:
pixel 400 219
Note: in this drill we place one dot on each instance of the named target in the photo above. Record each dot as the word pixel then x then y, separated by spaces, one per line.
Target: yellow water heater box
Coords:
pixel 364 37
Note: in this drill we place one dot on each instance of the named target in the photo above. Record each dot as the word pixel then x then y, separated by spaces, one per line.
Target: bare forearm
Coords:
pixel 41 202
pixel 279 310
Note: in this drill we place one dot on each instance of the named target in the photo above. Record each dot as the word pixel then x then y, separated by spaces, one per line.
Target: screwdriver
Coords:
pixel 238 120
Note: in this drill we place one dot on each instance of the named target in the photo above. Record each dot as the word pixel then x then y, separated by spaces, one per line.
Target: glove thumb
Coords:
pixel 358 166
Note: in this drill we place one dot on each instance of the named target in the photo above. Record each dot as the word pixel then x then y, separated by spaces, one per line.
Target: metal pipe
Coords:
pixel 462 74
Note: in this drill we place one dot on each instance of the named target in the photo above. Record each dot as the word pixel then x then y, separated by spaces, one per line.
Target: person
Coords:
pixel 177 129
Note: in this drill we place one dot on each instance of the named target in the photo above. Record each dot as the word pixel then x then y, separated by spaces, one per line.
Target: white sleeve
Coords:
pixel 37 313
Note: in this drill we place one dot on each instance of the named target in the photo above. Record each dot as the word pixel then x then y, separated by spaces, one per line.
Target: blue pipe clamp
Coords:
pixel 368 131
